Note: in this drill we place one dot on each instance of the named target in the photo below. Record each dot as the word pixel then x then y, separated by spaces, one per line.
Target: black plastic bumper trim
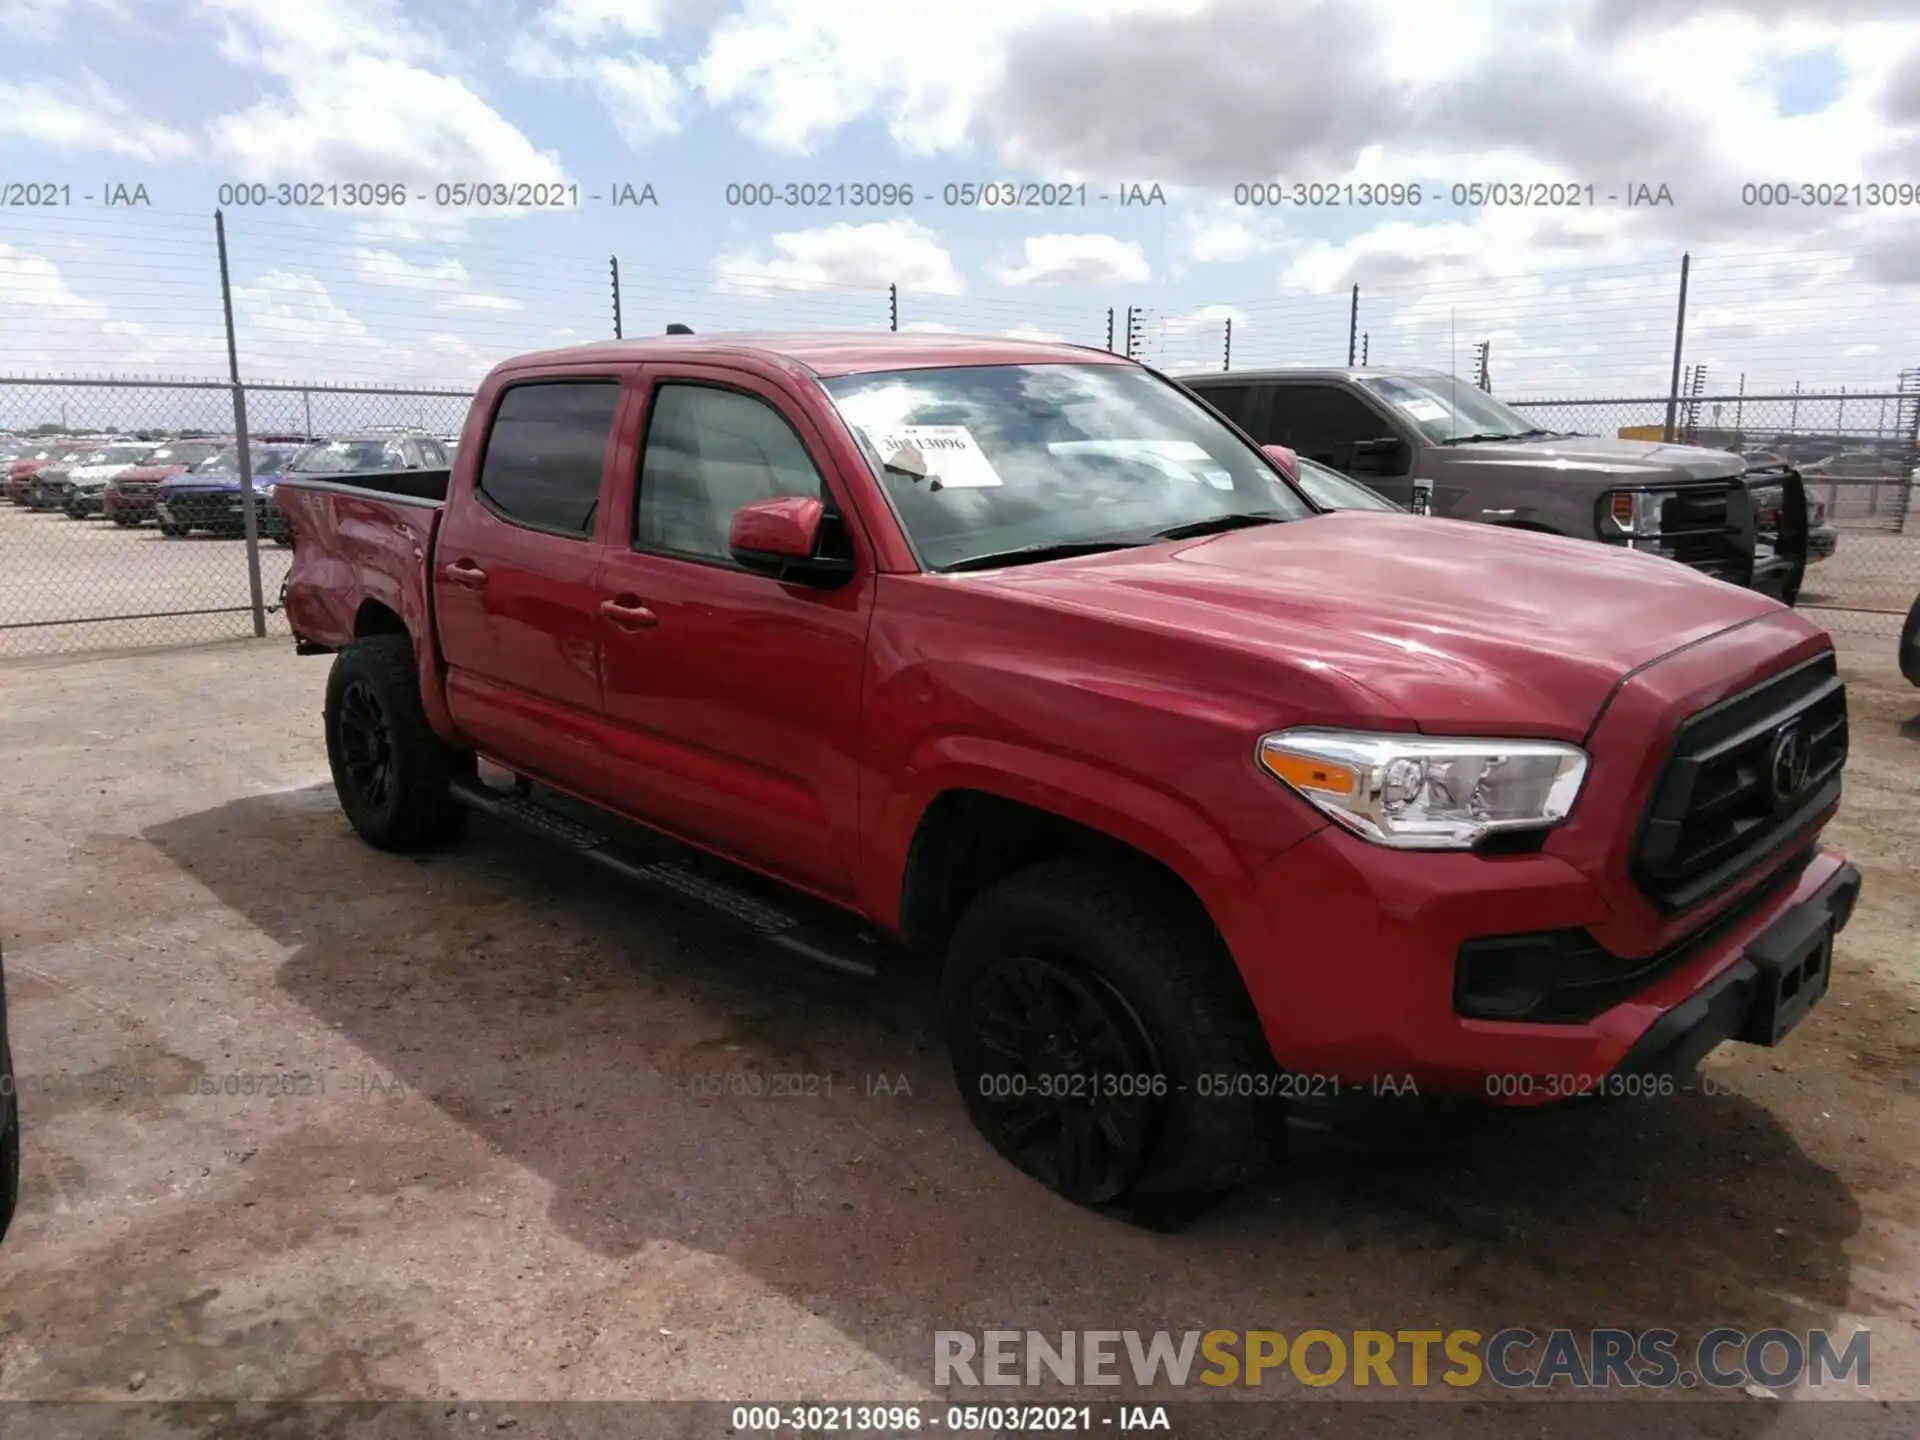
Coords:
pixel 1681 1038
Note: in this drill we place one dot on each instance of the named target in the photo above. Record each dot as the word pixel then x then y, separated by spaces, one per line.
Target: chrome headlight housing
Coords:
pixel 1636 512
pixel 1418 792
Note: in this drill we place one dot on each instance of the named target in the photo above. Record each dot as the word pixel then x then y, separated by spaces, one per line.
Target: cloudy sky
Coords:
pixel 1195 97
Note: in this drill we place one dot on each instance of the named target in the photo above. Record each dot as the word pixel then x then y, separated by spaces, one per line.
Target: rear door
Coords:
pixel 734 698
pixel 513 579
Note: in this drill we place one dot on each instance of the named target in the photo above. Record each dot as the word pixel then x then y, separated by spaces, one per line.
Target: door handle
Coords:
pixel 465 572
pixel 628 613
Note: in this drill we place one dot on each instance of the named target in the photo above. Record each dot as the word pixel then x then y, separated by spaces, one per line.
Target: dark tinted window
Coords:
pixel 709 452
pixel 1233 401
pixel 544 453
pixel 1321 423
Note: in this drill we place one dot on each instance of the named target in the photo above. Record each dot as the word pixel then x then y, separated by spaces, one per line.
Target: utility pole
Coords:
pixel 1673 384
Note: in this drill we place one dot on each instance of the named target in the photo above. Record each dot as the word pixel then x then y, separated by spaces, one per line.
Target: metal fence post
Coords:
pixel 247 516
pixel 1109 329
pixel 893 307
pixel 1353 323
pixel 1226 359
pixel 613 264
pixel 1679 341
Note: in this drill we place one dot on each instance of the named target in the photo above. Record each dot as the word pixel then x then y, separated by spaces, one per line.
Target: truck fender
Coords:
pixel 1159 825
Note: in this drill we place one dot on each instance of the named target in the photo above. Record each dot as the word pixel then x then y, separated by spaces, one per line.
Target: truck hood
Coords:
pixel 1615 462
pixel 1457 627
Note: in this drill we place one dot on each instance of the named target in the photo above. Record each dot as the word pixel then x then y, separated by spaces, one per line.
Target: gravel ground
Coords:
pixel 480 1156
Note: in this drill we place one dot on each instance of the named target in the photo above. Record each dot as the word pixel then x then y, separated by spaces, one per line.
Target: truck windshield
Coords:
pixel 992 464
pixel 342 455
pixel 227 462
pixel 1447 409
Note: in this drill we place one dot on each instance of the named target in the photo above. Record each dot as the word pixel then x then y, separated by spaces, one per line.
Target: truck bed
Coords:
pixel 429 485
pixel 359 539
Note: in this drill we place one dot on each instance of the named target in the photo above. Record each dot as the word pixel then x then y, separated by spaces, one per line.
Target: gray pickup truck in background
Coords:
pixel 1437 444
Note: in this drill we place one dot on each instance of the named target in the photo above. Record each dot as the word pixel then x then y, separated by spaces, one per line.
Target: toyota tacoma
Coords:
pixel 1015 657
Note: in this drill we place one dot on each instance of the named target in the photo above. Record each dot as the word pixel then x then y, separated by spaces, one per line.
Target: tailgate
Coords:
pixel 354 547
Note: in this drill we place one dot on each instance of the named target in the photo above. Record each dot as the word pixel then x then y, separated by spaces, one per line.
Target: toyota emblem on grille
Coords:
pixel 1788 762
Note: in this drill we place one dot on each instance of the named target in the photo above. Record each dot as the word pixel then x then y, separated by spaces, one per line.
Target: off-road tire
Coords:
pixel 1131 937
pixel 414 809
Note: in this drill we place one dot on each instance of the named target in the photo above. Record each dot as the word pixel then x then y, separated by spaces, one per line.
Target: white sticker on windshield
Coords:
pixel 945 453
pixel 1424 409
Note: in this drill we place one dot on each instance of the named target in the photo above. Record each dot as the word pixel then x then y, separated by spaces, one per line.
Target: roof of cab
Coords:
pixel 825 353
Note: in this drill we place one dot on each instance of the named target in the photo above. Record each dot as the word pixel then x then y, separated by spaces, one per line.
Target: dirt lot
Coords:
pixel 491 1170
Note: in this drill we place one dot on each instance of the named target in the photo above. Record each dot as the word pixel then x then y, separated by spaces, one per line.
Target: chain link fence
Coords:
pixel 86 562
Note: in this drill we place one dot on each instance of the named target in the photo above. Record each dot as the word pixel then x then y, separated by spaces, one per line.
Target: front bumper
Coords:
pixel 1777 977
pixel 129 506
pixel 1363 984
pixel 219 510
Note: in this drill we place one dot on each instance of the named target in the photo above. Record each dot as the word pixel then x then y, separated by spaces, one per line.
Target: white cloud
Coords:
pixel 384 267
pixel 584 21
pixel 362 117
pixel 801 70
pixel 899 252
pixel 33 280
pixel 1093 260
pixel 45 21
pixel 641 96
pixel 1033 332
pixel 478 300
pixel 286 306
pixel 930 327
pixel 85 114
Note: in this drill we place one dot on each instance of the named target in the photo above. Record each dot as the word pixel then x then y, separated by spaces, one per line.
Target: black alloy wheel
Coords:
pixel 1065 1074
pixel 366 745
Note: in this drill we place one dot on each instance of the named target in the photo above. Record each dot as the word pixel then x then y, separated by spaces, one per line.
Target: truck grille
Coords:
pixel 1697 528
pixel 1744 777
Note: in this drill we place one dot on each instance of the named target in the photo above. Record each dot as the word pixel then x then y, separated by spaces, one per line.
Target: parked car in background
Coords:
pixel 85 486
pixel 1013 657
pixel 29 462
pixel 206 496
pixel 1430 441
pixel 372 450
pixel 129 495
pixel 47 488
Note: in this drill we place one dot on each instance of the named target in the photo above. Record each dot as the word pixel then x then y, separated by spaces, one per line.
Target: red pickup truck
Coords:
pixel 1019 657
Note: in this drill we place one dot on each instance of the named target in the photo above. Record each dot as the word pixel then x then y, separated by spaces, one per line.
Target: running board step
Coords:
pixel 680 881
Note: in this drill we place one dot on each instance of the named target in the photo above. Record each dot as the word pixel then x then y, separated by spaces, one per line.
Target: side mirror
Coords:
pixel 1387 455
pixel 781 538
pixel 1288 462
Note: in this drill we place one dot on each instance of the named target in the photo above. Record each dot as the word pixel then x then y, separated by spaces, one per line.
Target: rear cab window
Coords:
pixel 545 453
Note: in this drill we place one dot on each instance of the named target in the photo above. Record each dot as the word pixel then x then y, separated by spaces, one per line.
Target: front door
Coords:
pixel 735 698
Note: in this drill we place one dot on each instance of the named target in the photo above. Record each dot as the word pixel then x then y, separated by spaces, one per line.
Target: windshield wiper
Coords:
pixel 1031 554
pixel 1481 435
pixel 1214 524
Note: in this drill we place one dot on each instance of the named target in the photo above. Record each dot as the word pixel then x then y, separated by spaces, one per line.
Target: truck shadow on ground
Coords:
pixel 625 1053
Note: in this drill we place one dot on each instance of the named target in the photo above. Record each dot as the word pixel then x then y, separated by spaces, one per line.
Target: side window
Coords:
pixel 707 453
pixel 1321 422
pixel 544 454
pixel 1233 401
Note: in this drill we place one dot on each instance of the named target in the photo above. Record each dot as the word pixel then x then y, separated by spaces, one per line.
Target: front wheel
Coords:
pixel 391 771
pixel 1104 1044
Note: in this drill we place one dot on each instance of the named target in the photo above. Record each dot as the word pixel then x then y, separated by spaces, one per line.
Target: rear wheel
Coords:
pixel 391 771
pixel 1103 1043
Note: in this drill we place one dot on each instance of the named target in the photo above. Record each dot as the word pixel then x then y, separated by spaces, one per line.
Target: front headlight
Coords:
pixel 1411 792
pixel 1637 512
